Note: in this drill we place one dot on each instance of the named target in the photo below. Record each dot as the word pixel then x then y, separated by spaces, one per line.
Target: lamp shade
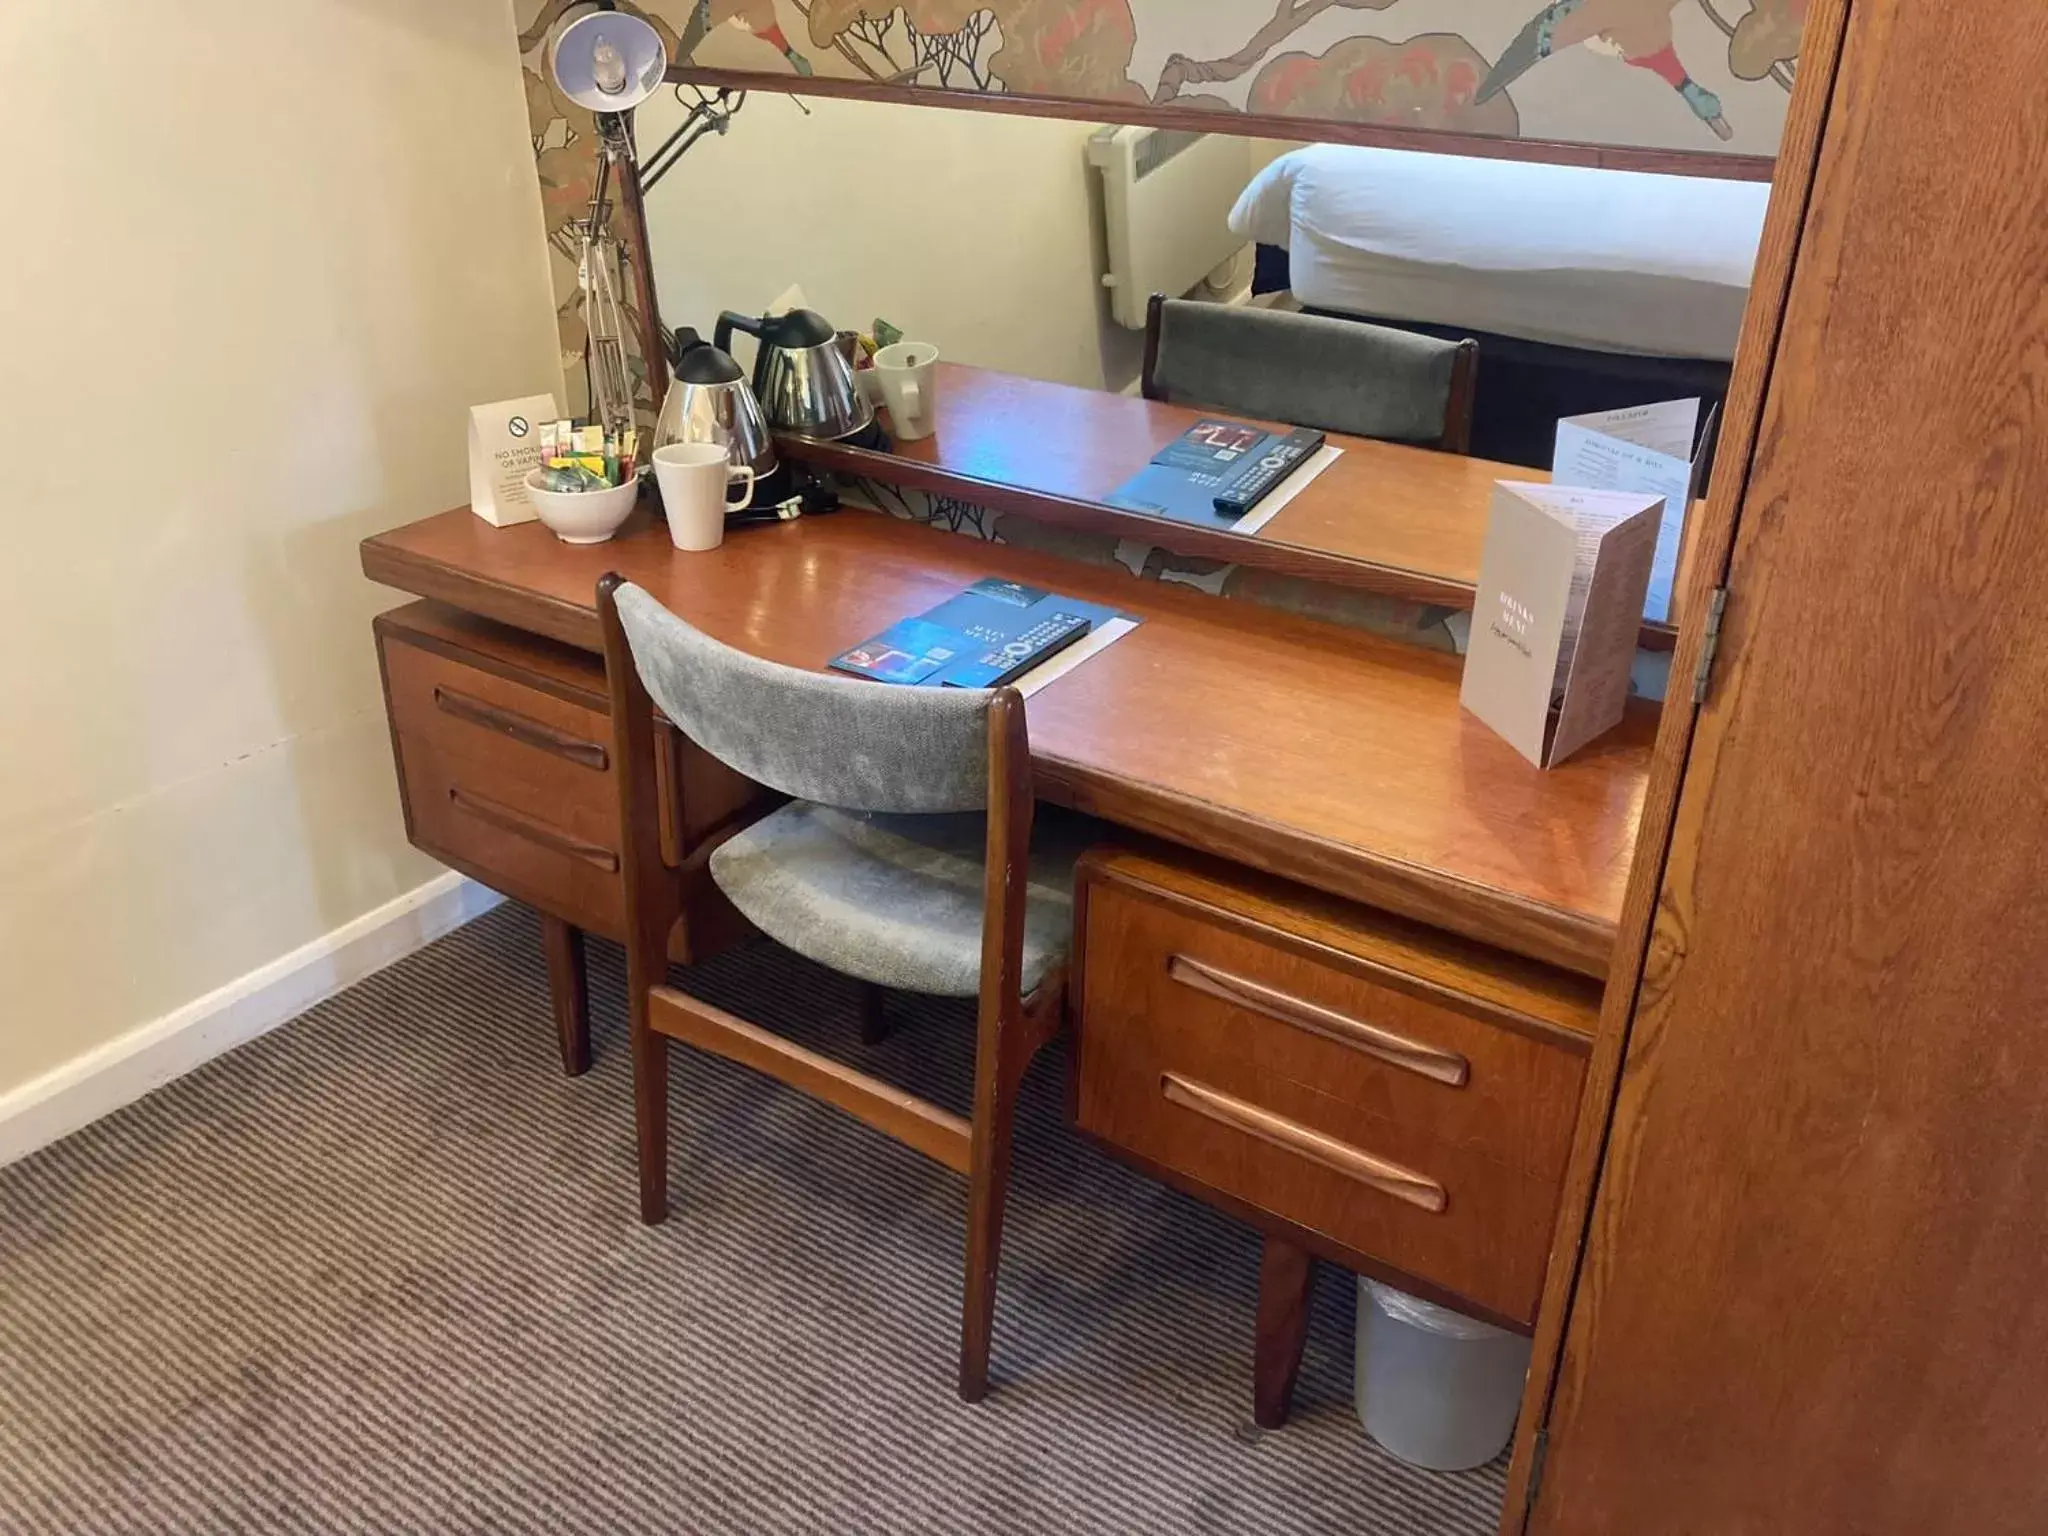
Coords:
pixel 609 61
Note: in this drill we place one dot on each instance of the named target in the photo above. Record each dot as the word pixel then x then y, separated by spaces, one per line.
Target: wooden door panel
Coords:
pixel 1815 1291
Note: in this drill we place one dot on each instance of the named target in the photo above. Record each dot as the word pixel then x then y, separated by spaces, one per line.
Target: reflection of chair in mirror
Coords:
pixel 1312 371
pixel 903 860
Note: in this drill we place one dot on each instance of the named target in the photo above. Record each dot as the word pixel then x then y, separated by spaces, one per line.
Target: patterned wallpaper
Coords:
pixel 1704 75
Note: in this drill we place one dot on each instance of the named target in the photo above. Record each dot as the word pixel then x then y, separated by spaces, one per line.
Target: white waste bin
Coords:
pixel 1435 1387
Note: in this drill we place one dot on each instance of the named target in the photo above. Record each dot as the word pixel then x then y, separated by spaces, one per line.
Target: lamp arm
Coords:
pixel 711 114
pixel 639 253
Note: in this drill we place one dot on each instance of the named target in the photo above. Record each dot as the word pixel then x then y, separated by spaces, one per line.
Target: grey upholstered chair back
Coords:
pixel 838 741
pixel 1309 370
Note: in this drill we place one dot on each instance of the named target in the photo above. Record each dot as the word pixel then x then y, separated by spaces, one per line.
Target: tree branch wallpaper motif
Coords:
pixel 1702 75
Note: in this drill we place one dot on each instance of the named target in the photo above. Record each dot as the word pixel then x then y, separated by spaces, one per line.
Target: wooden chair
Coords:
pixel 1312 371
pixel 902 858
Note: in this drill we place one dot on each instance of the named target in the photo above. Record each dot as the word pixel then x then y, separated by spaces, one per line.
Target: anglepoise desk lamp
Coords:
pixel 611 61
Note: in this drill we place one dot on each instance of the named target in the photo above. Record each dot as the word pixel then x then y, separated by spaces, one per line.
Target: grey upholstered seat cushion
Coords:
pixel 897 900
pixel 1313 371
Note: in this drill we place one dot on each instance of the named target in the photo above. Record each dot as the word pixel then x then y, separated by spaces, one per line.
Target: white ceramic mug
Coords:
pixel 908 374
pixel 696 482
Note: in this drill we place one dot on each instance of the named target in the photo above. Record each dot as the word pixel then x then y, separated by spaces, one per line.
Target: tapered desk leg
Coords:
pixel 569 988
pixel 1284 1270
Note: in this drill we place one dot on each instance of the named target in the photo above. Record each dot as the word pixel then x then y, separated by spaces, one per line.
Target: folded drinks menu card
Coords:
pixel 989 635
pixel 1643 448
pixel 1561 584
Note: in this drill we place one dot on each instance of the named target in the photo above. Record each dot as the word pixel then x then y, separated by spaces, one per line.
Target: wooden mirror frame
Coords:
pixel 1249 125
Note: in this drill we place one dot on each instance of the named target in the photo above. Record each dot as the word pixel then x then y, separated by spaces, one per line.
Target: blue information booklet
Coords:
pixel 1186 476
pixel 991 634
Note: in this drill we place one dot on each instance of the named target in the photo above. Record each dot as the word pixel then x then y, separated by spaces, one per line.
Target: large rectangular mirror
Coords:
pixel 1025 250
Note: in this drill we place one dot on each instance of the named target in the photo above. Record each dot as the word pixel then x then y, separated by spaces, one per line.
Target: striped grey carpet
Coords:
pixel 380 1270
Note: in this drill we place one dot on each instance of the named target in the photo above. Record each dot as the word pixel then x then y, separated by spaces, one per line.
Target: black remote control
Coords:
pixel 1274 465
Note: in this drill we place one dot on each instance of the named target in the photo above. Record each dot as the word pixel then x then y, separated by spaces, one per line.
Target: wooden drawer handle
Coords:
pixel 1388 1178
pixel 585 754
pixel 505 819
pixel 1396 1050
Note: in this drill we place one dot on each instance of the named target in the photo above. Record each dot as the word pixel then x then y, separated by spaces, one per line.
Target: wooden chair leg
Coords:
pixel 988 1188
pixel 650 1117
pixel 650 1082
pixel 656 896
pixel 1002 1056
pixel 874 1023
pixel 569 989
pixel 1284 1272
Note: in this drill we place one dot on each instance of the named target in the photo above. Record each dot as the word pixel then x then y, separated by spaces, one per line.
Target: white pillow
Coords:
pixel 1265 209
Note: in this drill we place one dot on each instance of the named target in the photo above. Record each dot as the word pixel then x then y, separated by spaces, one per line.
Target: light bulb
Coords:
pixel 608 67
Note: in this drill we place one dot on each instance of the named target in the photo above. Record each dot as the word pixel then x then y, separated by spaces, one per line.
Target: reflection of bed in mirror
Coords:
pixel 1587 289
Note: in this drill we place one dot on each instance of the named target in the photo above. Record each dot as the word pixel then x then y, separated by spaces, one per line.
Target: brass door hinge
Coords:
pixel 1710 644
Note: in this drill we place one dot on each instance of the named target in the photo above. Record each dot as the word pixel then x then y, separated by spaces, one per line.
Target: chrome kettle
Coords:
pixel 708 401
pixel 802 375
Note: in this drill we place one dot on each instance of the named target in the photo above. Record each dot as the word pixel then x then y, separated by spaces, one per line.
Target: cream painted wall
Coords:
pixel 266 256
pixel 968 229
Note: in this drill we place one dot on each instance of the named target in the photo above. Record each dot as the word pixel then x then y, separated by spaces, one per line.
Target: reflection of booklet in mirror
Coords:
pixel 1214 459
pixel 989 635
pixel 1561 583
pixel 1661 449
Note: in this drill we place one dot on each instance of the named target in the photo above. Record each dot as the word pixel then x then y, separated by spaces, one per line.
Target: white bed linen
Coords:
pixel 1617 261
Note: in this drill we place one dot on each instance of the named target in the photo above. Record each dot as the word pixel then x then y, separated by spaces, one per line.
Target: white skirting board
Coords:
pixel 124 1069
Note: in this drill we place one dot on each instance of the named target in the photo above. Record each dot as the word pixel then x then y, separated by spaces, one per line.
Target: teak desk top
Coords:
pixel 1314 752
pixel 1416 515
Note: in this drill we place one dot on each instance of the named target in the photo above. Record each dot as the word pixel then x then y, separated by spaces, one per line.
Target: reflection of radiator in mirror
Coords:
pixel 1166 201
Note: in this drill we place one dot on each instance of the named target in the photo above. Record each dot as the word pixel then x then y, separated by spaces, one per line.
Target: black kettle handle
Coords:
pixel 731 320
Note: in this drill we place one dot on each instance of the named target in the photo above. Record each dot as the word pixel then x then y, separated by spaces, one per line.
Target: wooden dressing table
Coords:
pixel 1791 1275
pixel 1337 971
pixel 1332 758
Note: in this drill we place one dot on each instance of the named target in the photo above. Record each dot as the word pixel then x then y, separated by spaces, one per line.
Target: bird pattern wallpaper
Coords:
pixel 1701 75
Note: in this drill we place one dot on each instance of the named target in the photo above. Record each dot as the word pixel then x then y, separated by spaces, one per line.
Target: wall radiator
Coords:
pixel 1166 201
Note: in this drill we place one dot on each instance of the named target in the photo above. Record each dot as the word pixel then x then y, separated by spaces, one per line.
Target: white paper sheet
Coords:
pixel 1666 428
pixel 1276 499
pixel 1053 668
pixel 1645 448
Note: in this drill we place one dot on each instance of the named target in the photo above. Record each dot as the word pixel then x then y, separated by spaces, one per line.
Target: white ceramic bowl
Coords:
pixel 583 517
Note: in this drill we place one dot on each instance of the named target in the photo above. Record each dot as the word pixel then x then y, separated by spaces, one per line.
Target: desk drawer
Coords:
pixel 509 782
pixel 1324 1084
pixel 468 709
